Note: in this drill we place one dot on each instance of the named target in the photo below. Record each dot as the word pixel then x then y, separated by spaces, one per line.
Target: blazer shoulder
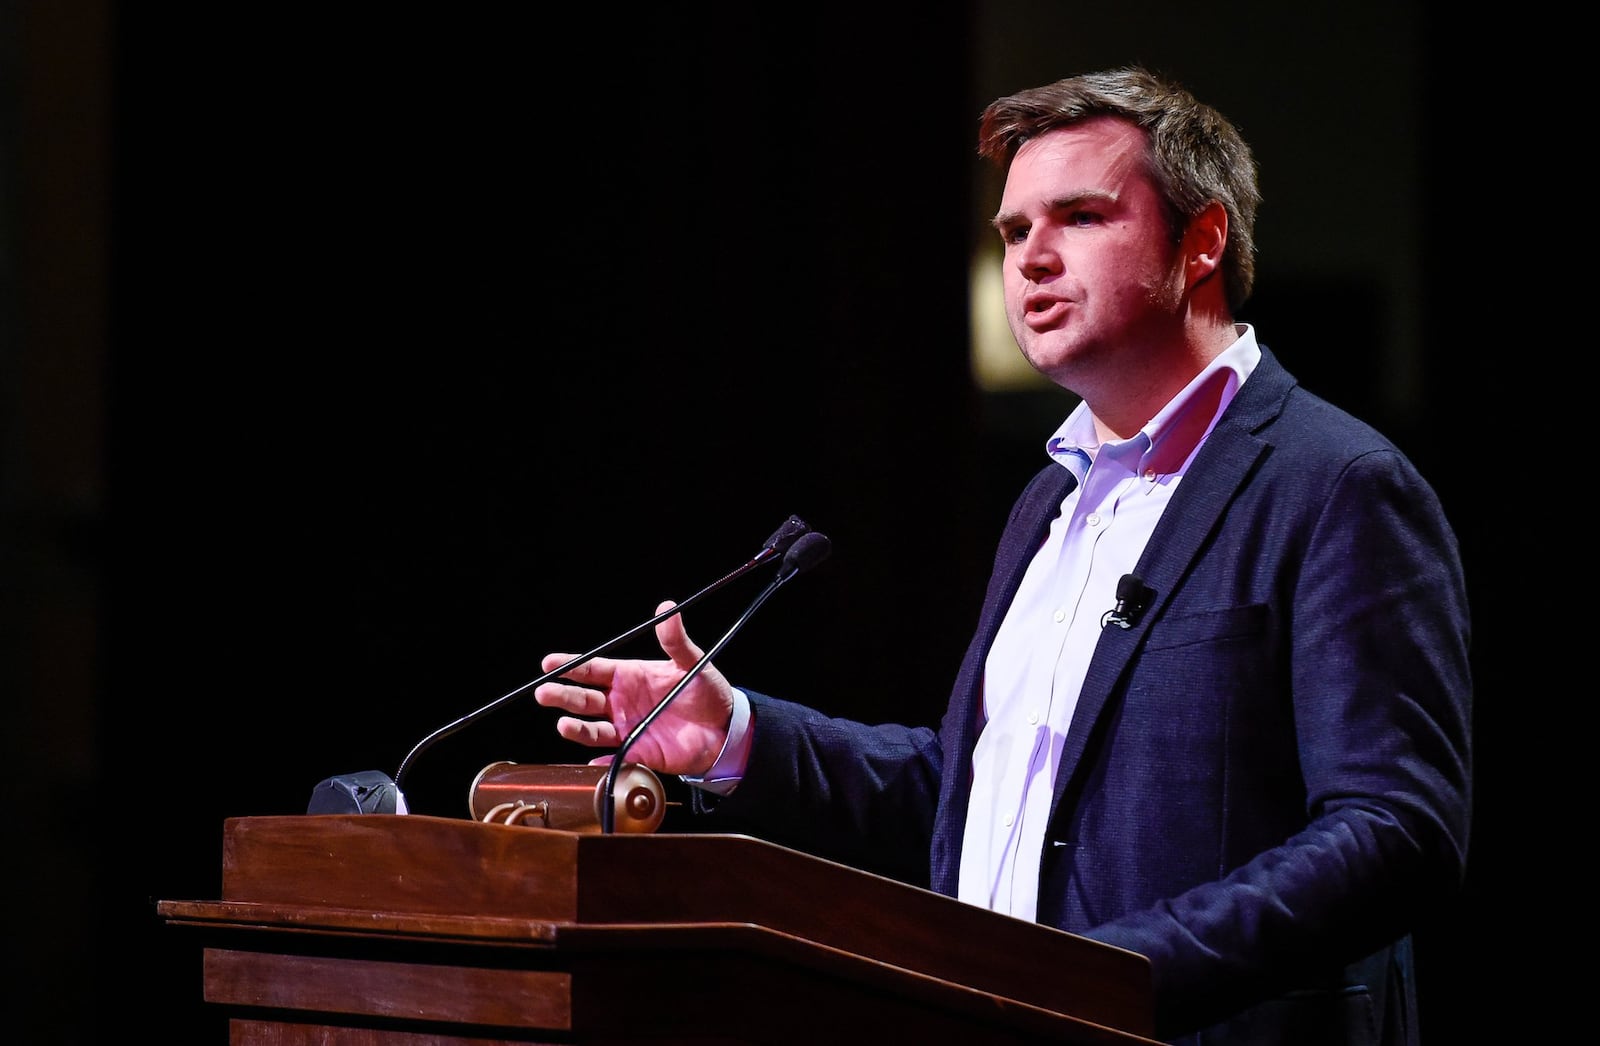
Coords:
pixel 1275 407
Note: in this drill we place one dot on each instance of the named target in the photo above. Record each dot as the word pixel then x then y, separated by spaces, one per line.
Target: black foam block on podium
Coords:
pixel 368 792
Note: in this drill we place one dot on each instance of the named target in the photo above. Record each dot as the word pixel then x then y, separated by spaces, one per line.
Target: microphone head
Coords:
pixel 1130 588
pixel 809 549
pixel 785 536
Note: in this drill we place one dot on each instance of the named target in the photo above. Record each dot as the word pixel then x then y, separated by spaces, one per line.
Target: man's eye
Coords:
pixel 1012 236
pixel 1080 219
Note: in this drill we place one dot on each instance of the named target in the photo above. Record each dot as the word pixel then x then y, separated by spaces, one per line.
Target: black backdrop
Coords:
pixel 436 342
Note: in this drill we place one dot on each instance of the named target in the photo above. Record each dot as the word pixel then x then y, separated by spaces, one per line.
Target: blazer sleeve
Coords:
pixel 851 792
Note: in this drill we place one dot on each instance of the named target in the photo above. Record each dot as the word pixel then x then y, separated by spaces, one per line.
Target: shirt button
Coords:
pixel 1009 819
pixel 1093 519
pixel 1033 718
pixel 1150 475
pixel 1061 615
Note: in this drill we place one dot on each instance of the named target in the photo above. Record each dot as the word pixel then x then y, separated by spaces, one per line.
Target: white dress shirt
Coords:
pixel 1041 653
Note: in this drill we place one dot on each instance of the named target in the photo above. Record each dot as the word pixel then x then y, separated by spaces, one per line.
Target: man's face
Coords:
pixel 1093 280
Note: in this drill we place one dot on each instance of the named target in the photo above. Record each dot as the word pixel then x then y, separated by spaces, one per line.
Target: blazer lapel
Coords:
pixel 1219 471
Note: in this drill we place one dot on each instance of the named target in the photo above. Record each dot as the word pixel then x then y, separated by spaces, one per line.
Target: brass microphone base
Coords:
pixel 569 797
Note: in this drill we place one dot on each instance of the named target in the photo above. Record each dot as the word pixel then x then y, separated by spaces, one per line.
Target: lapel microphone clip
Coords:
pixel 1133 595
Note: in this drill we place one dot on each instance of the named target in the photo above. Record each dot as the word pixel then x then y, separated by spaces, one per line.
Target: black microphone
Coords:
pixel 1133 596
pixel 811 548
pixel 338 795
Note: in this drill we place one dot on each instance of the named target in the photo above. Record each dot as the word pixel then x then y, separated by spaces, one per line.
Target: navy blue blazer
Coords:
pixel 1267 778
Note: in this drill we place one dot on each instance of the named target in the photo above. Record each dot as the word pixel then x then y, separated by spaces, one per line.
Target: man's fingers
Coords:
pixel 592 732
pixel 597 671
pixel 576 699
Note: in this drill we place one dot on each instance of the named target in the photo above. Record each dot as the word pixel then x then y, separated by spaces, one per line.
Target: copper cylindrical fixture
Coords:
pixel 568 797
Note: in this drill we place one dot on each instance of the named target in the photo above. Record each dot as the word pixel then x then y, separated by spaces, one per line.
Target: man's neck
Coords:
pixel 1140 394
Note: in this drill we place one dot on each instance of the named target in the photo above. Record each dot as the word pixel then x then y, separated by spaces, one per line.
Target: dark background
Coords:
pixel 352 358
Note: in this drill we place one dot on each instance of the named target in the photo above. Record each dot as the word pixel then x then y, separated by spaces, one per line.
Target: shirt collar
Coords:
pixel 1169 439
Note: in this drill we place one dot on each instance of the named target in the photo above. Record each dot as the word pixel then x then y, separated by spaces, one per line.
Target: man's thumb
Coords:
pixel 673 636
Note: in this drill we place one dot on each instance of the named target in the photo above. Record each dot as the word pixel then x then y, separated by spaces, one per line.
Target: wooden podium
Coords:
pixel 404 930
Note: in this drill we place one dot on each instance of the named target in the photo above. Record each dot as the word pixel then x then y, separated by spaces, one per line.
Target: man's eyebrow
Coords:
pixel 1006 219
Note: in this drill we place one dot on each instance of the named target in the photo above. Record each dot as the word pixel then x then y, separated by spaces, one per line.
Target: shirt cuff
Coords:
pixel 725 773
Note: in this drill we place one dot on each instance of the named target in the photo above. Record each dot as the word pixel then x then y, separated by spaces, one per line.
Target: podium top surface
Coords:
pixel 536 884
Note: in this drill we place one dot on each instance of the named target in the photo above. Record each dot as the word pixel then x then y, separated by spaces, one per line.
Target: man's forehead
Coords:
pixel 1098 157
pixel 1099 137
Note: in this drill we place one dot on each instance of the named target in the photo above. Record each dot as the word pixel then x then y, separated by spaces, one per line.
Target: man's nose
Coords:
pixel 1039 255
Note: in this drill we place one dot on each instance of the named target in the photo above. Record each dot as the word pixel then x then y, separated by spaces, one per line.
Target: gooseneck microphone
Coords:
pixel 809 550
pixel 781 543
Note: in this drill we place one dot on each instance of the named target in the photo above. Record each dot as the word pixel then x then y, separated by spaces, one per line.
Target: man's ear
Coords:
pixel 1203 242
